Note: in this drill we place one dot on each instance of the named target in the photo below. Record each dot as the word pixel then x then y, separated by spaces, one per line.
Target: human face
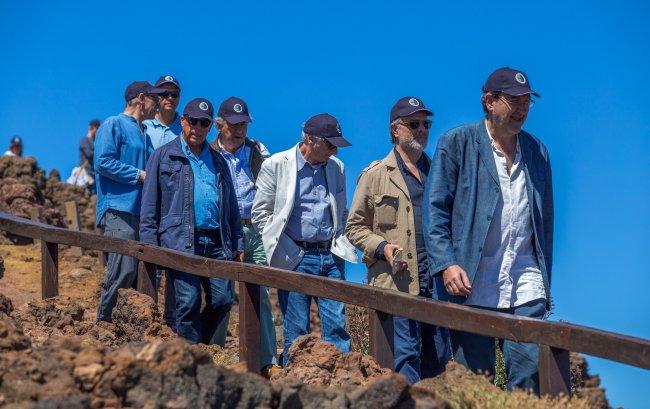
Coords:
pixel 92 131
pixel 508 113
pixel 409 138
pixel 169 101
pixel 233 133
pixel 149 106
pixel 195 134
pixel 320 149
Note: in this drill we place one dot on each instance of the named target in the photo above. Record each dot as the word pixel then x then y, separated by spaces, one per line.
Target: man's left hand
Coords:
pixel 239 256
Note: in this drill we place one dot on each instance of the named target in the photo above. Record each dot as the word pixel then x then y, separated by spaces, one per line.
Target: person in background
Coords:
pixel 15 147
pixel 87 153
pixel 120 157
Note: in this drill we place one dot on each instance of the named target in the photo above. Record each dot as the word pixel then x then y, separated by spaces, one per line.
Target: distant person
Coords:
pixel 300 211
pixel 15 147
pixel 189 204
pixel 489 224
pixel 166 125
pixel 385 223
pixel 120 158
pixel 86 153
pixel 245 157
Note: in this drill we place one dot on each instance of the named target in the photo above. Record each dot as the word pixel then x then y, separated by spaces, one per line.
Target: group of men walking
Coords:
pixel 473 225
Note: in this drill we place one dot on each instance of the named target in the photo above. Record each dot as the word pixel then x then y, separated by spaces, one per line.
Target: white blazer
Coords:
pixel 273 204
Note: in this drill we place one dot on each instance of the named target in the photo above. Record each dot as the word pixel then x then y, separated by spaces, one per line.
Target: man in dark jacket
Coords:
pixel 87 152
pixel 189 204
pixel 489 223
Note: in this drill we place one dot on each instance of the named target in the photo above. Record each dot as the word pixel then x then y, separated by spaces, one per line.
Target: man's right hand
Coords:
pixel 389 250
pixel 456 281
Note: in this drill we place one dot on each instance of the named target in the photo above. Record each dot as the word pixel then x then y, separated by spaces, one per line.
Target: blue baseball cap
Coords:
pixel 509 81
pixel 141 87
pixel 234 110
pixel 326 126
pixel 168 79
pixel 406 106
pixel 199 108
pixel 16 140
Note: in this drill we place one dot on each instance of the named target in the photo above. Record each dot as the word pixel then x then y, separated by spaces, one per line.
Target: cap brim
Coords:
pixel 519 91
pixel 237 119
pixel 201 115
pixel 167 82
pixel 338 141
pixel 156 90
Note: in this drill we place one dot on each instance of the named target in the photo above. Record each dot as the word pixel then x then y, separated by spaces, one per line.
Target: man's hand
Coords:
pixel 389 250
pixel 143 174
pixel 239 256
pixel 456 281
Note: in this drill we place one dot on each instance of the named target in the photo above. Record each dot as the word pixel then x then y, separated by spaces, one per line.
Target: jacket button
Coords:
pixel 408 208
pixel 409 255
pixel 408 232
pixel 489 218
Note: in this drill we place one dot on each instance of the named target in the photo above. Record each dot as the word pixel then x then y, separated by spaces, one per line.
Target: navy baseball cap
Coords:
pixel 15 140
pixel 168 79
pixel 141 87
pixel 406 106
pixel 199 108
pixel 326 126
pixel 509 81
pixel 235 111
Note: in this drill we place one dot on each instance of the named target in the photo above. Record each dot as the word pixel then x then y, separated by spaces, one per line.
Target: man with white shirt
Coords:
pixel 489 223
pixel 300 211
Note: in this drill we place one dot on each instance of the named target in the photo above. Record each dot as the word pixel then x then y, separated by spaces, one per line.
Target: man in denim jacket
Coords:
pixel 489 223
pixel 189 205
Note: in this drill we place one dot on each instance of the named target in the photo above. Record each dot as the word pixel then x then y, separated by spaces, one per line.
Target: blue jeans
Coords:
pixel 476 352
pixel 192 324
pixel 121 271
pixel 295 306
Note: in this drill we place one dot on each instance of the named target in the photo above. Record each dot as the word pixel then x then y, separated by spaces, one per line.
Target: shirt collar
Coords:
pixel 177 120
pixel 221 148
pixel 494 146
pixel 421 163
pixel 187 151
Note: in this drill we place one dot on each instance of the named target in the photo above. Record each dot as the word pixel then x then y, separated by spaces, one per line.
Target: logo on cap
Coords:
pixel 204 106
pixel 520 78
pixel 414 102
pixel 169 78
pixel 238 108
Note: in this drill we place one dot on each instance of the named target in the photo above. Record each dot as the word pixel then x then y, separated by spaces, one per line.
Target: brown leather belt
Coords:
pixel 246 222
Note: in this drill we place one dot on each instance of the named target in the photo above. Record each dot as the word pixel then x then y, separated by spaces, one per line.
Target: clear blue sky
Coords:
pixel 64 63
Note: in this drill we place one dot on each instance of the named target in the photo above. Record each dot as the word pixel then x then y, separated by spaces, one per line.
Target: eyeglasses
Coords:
pixel 203 122
pixel 416 124
pixel 329 144
pixel 523 102
pixel 170 94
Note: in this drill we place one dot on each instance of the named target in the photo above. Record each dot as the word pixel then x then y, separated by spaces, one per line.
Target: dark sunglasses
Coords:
pixel 416 124
pixel 170 94
pixel 328 144
pixel 203 122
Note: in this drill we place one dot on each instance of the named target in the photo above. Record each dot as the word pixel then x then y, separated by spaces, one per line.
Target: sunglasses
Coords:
pixel 203 122
pixel 328 144
pixel 170 94
pixel 416 124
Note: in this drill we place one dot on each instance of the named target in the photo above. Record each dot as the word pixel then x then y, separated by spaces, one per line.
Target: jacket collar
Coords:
pixel 394 173
pixel 484 147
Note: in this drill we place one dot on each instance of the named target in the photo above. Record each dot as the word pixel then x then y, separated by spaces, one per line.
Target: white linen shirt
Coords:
pixel 508 274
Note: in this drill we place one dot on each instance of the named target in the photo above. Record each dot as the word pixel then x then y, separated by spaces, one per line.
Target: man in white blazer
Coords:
pixel 300 211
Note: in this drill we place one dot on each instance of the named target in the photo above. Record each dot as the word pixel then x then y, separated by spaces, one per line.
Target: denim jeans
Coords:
pixel 295 306
pixel 121 271
pixel 192 324
pixel 476 352
pixel 254 253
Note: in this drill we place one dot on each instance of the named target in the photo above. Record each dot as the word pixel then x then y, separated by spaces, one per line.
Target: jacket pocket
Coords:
pixel 170 174
pixel 386 211
pixel 169 221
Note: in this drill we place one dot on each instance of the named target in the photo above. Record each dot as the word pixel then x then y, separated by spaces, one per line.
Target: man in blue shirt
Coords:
pixel 245 157
pixel 189 204
pixel 120 159
pixel 164 128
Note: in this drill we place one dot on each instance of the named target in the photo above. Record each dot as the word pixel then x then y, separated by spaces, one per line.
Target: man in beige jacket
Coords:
pixel 385 223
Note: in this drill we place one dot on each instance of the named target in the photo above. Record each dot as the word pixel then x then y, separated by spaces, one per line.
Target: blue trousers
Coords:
pixel 476 352
pixel 211 324
pixel 121 271
pixel 295 306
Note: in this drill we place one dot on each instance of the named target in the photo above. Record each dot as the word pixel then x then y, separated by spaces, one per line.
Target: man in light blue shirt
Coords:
pixel 121 155
pixel 166 126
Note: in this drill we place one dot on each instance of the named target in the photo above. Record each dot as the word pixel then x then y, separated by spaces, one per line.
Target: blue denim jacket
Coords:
pixel 121 152
pixel 461 196
pixel 167 215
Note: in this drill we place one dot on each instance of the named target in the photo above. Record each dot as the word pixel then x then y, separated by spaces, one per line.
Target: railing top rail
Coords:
pixel 617 347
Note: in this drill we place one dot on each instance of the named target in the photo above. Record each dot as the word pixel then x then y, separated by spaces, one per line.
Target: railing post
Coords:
pixel 147 280
pixel 49 269
pixel 102 256
pixel 35 215
pixel 382 345
pixel 72 219
pixel 249 325
pixel 554 371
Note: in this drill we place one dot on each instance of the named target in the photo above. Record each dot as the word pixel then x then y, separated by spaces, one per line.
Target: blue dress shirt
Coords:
pixel 311 218
pixel 160 134
pixel 206 200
